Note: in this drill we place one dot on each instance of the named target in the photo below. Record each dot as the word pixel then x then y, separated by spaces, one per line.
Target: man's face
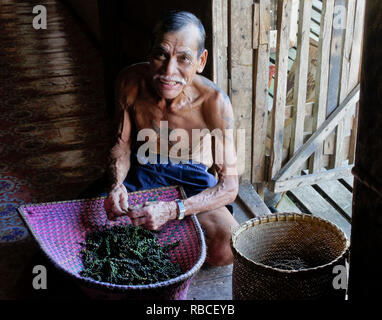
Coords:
pixel 174 61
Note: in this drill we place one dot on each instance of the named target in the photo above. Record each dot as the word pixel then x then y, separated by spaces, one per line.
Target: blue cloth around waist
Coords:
pixel 193 177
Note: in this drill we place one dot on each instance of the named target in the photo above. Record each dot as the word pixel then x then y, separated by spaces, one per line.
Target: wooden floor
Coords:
pixel 331 200
pixel 54 126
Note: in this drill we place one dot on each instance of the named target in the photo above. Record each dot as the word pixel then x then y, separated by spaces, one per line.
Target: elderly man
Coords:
pixel 168 92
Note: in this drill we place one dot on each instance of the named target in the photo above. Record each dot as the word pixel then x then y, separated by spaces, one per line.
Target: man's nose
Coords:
pixel 171 66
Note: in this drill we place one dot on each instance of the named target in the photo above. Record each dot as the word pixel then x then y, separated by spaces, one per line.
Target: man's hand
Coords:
pixel 152 215
pixel 116 203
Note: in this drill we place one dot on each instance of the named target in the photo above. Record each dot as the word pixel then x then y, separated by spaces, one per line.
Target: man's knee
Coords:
pixel 217 225
pixel 219 254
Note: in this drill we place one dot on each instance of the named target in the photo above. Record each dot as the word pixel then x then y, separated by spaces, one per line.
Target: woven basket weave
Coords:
pixel 60 229
pixel 287 256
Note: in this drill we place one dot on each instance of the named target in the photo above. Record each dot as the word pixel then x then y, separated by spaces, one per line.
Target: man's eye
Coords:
pixel 185 59
pixel 160 55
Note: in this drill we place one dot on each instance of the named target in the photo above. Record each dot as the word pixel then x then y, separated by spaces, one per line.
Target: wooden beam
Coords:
pixel 354 72
pixel 319 207
pixel 318 136
pixel 302 60
pixel 220 44
pixel 338 195
pixel 252 201
pixel 344 79
pixel 322 78
pixel 241 72
pixel 260 87
pixel 256 25
pixel 287 205
pixel 310 179
pixel 279 100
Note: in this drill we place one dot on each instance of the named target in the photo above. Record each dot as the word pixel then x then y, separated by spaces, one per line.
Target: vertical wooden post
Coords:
pixel 319 114
pixel 241 54
pixel 261 22
pixel 220 43
pixel 365 278
pixel 336 160
pixel 302 59
pixel 354 73
pixel 278 110
pixel 337 42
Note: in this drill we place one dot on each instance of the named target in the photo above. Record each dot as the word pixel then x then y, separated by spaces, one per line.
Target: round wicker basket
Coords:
pixel 287 256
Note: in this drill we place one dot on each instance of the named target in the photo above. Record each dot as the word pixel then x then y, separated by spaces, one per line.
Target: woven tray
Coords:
pixel 60 229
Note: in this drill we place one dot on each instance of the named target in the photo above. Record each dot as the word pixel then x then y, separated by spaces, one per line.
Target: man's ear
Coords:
pixel 202 61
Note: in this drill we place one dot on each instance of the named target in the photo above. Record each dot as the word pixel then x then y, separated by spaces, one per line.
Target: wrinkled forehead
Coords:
pixel 185 39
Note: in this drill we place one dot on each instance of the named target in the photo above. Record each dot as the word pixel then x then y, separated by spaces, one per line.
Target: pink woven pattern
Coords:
pixel 60 229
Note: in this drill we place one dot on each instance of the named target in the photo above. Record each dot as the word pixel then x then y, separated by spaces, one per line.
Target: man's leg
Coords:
pixel 217 225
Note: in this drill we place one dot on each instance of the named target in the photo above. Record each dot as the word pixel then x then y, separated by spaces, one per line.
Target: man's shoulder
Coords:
pixel 215 96
pixel 133 74
pixel 129 81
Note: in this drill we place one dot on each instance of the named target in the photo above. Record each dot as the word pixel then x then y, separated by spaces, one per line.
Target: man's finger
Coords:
pixel 138 221
pixel 124 203
pixel 134 214
pixel 115 207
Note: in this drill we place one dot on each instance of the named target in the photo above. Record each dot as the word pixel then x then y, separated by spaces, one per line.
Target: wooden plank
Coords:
pixel 219 29
pixel 319 207
pixel 310 179
pixel 261 78
pixel 315 31
pixel 294 22
pixel 318 136
pixel 252 201
pixel 322 78
pixel 348 182
pixel 241 75
pixel 287 205
pixel 356 51
pixel 278 110
pixel 334 86
pixel 344 90
pixel 300 85
pixel 353 136
pixel 347 48
pixel 317 4
pixel 338 194
pixel 354 73
pixel 335 62
pixel 256 25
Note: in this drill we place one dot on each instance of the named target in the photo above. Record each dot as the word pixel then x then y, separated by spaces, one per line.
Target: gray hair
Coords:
pixel 176 20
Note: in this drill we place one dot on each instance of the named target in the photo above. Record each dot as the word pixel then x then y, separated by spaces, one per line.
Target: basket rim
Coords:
pixel 284 217
pixel 118 287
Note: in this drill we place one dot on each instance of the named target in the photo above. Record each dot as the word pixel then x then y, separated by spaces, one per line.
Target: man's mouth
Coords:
pixel 169 83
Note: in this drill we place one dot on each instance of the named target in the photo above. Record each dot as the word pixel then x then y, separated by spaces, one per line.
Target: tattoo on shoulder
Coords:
pixel 229 121
pixel 212 85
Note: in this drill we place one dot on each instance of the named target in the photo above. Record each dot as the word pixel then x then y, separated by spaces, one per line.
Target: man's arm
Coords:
pixel 119 159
